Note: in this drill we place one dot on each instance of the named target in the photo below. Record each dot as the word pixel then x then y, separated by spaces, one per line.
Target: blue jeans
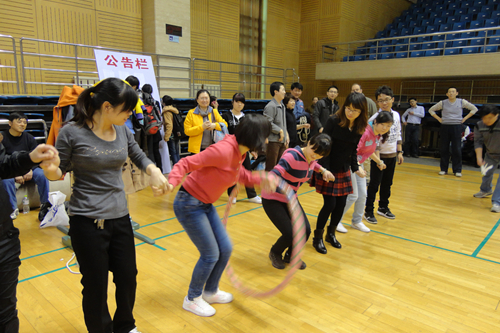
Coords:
pixel 487 183
pixel 173 149
pixel 358 198
pixel 206 231
pixel 40 180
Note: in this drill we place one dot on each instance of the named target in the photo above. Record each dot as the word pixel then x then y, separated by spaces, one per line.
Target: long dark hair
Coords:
pixel 112 90
pixel 384 117
pixel 252 131
pixel 357 101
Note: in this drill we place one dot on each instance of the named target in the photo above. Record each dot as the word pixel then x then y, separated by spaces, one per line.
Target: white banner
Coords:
pixel 121 65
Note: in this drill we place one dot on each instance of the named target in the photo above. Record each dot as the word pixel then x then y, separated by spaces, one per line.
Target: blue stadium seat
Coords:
pixel 495 14
pixel 477 42
pixel 447 13
pixel 386 56
pixel 404 32
pixel 451 51
pixel 459 26
pixel 466 4
pixel 359 58
pixel 452 36
pixel 393 33
pixel 483 15
pixel 453 19
pixel 468 35
pixel 439 8
pixel 461 11
pixel 474 10
pixel 402 25
pixel 489 49
pixel 431 29
pixel 459 43
pixel 439 21
pixel 481 34
pixel 418 30
pixel 426 22
pixel 465 17
pixel 488 8
pixel 476 24
pixel 479 2
pixel 434 15
pixel 470 50
pixel 415 54
pixel 445 27
pixel 361 50
pixel 428 46
pixel 389 27
pixel 493 2
pixel 401 41
pixel 386 49
pixel 397 20
pixel 372 57
pixel 415 47
pixel 400 48
pixel 413 24
pixel 401 55
pixel 437 38
pixel 494 40
pixel 491 23
pixel 422 16
pixel 380 34
pixel 452 5
pixel 432 53
pixel 373 50
pixel 350 58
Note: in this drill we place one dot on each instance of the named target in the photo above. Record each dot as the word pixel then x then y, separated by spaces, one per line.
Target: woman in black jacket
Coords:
pixel 345 128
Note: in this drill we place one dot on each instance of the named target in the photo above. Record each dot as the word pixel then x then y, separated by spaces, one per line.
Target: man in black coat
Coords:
pixel 324 109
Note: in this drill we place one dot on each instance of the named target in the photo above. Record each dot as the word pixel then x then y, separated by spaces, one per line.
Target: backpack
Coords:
pixel 151 110
pixel 177 126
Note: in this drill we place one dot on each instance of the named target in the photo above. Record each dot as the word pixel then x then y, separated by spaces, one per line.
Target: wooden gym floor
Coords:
pixel 435 268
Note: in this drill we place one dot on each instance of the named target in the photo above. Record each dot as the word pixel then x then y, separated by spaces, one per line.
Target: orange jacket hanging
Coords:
pixel 69 96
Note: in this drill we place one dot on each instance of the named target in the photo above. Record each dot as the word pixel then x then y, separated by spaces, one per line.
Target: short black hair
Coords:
pixel 451 87
pixel 332 86
pixel 167 100
pixel 287 98
pixel 17 115
pixel 409 99
pixel 321 144
pixel 252 131
pixel 133 81
pixel 275 86
pixel 147 88
pixel 239 97
pixel 213 99
pixel 488 109
pixel 297 85
pixel 386 90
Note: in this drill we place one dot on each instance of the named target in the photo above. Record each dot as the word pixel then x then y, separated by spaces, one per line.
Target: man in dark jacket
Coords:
pixel 324 109
pixel 17 164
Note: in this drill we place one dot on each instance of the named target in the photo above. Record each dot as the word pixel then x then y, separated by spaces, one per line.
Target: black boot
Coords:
pixel 276 260
pixel 318 241
pixel 330 237
pixel 287 256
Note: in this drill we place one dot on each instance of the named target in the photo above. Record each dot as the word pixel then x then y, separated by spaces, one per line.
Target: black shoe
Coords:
pixel 330 238
pixel 286 259
pixel 44 209
pixel 385 212
pixel 276 260
pixel 370 218
pixel 318 241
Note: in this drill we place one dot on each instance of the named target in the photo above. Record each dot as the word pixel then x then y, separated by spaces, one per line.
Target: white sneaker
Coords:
pixel 256 200
pixel 198 306
pixel 234 201
pixel 341 228
pixel 14 214
pixel 458 174
pixel 360 226
pixel 442 173
pixel 495 208
pixel 220 297
pixel 134 330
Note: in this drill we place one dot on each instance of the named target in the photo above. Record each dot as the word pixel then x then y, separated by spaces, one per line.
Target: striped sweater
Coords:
pixel 294 169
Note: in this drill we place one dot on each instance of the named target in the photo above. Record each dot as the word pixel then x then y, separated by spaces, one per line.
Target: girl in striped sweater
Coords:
pixel 295 167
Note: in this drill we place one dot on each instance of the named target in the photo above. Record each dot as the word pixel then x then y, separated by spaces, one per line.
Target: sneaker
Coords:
pixel 341 228
pixel 14 214
pixel 44 209
pixel 276 260
pixel 256 200
pixel 442 173
pixel 198 306
pixel 360 226
pixel 234 201
pixel 495 208
pixel 220 297
pixel 370 218
pixel 385 212
pixel 458 174
pixel 482 194
pixel 134 330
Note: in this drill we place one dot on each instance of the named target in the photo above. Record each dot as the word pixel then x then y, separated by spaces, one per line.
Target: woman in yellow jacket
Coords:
pixel 200 123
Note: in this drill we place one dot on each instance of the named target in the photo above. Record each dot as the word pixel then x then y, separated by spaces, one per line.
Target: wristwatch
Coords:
pixel 400 152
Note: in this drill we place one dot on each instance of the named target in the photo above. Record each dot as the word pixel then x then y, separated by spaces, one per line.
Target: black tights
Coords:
pixel 333 206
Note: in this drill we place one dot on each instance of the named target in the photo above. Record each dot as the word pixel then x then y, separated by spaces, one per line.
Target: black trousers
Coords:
pixel 278 213
pixel 334 207
pixel 451 134
pixel 10 250
pixel 384 180
pixel 411 139
pixel 99 251
pixel 250 190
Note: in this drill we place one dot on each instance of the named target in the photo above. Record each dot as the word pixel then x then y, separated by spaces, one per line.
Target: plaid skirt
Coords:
pixel 340 187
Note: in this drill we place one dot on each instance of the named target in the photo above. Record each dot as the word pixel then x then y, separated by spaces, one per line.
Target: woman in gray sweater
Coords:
pixel 95 145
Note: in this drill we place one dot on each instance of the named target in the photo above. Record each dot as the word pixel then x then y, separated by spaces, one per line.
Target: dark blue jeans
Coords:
pixel 205 229
pixel 40 180
pixel 173 149
pixel 451 134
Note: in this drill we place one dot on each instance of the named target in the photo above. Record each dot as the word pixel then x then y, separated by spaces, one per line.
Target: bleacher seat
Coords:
pixel 448 13
pixel 401 48
pixel 386 49
pixel 386 56
pixel 474 10
pixel 350 58
pixel 466 4
pixel 428 46
pixel 404 32
pixel 418 30
pixel 445 27
pixel 397 20
pixel 489 49
pixel 439 8
pixel 422 16
pixel 466 17
pixel 452 5
pixel 470 50
pixel 493 2
pixel 415 47
pixel 477 42
pixel 360 50
pixel 431 29
pixel 468 35
pixel 389 27
pixel 491 23
pixel 476 24
pixel 483 15
pixel 452 36
pixel 432 53
pixel 426 22
pixel 459 26
pixel 416 54
pixel 393 33
pixel 487 9
pixel 434 15
pixel 479 3
pixel 413 24
pixel 451 51
pixel 402 25
pixel 438 21
pixel 460 11
pixel 380 34
pixel 359 58
pixel 373 50
pixel 495 14
pixel 453 19
pixel 494 40
pixel 372 57
pixel 459 43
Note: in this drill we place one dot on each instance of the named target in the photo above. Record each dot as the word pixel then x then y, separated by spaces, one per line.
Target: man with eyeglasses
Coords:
pixel 411 119
pixel 324 109
pixel 390 153
pixel 16 140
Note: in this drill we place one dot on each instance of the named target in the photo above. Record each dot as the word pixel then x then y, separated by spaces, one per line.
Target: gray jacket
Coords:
pixel 276 115
pixel 490 137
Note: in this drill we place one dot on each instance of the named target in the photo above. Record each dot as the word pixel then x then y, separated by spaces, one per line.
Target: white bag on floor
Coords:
pixel 57 213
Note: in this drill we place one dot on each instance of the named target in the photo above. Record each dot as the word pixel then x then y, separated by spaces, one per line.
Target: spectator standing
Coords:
pixel 412 119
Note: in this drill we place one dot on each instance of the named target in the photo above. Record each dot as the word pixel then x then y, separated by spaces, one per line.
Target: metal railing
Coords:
pixel 47 65
pixel 371 49
pixel 9 66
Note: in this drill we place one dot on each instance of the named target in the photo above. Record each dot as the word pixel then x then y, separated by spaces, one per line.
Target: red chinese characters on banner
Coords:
pixel 111 61
pixel 127 62
pixel 141 63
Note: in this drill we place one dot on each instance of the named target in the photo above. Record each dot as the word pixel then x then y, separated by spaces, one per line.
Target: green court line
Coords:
pixel 485 240
pixel 41 254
